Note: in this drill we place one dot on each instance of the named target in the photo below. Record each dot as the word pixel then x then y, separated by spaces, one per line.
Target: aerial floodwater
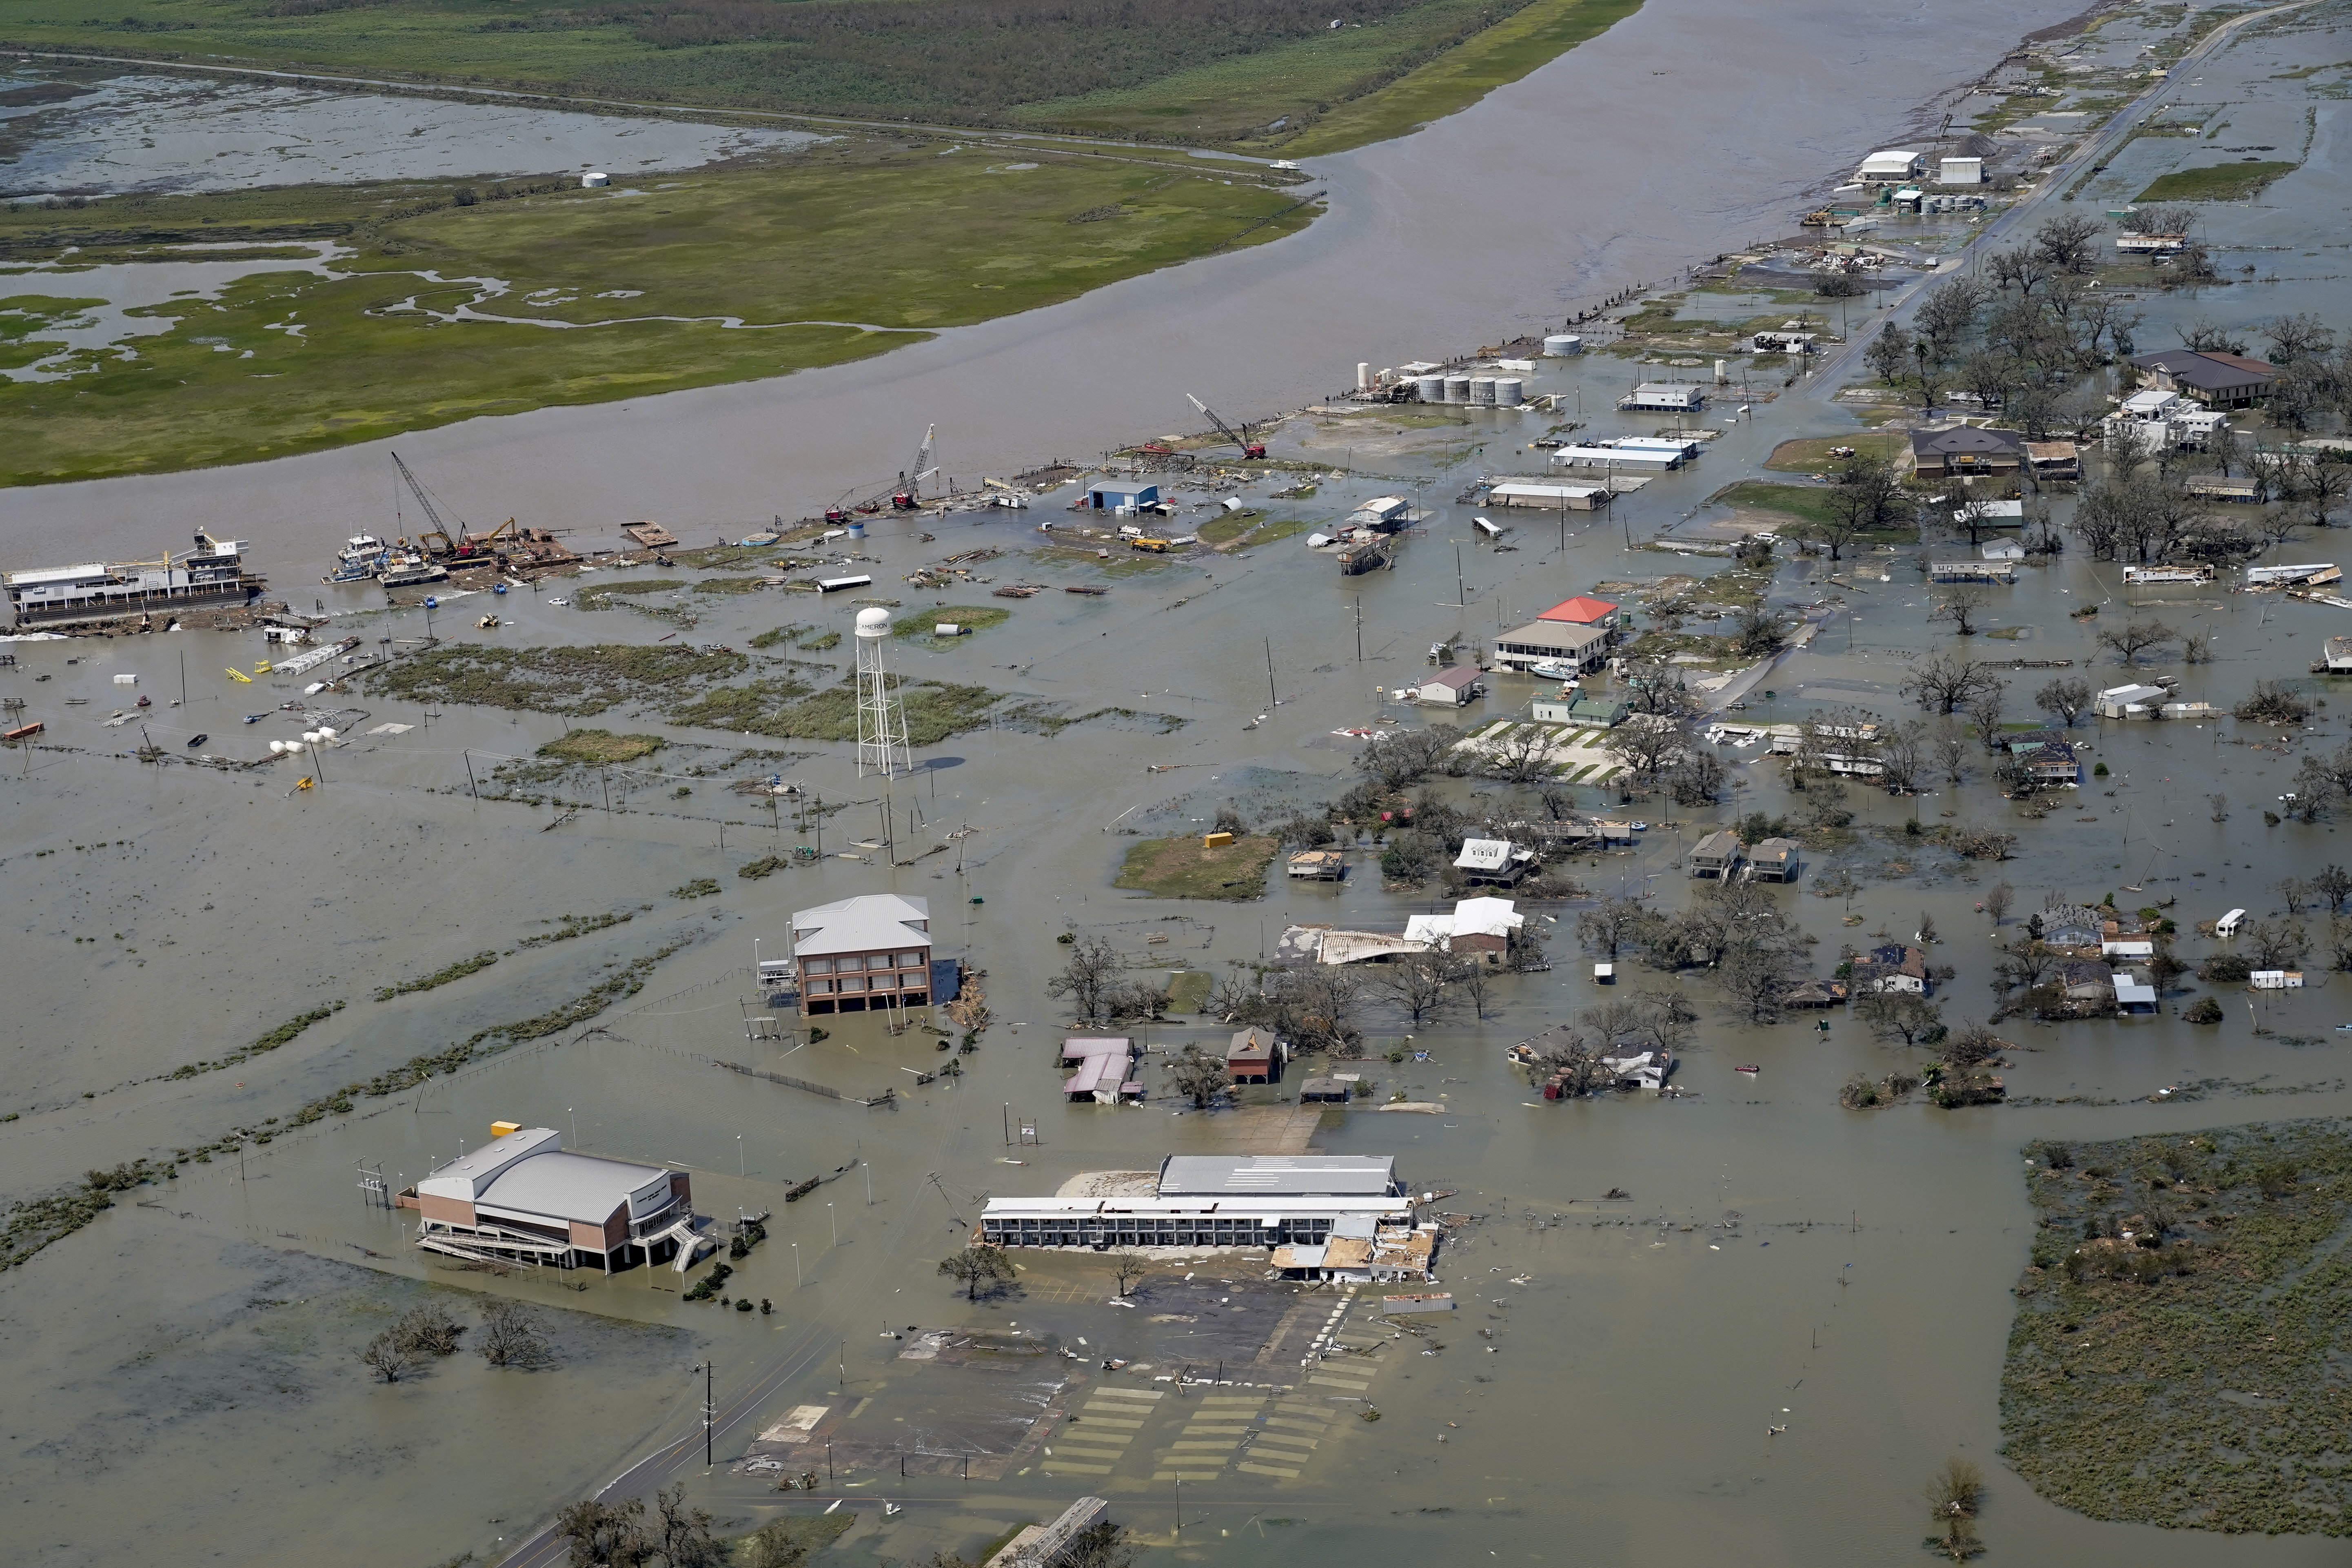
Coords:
pixel 1758 1202
pixel 1625 160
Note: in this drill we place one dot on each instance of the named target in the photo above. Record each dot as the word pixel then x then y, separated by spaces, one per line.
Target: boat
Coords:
pixel 199 740
pixel 146 703
pixel 1552 669
pixel 408 568
pixel 361 558
pixel 1747 1068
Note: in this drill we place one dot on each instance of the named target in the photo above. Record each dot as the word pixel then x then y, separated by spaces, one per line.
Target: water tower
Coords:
pixel 881 717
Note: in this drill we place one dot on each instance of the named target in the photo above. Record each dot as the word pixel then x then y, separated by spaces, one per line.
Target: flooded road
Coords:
pixel 183 1369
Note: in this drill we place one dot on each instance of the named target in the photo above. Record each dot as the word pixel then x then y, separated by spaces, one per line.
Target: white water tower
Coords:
pixel 881 716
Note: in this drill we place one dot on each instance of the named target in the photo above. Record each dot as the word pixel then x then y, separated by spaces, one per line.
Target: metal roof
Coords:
pixel 470 1175
pixel 569 1186
pixel 1277 1175
pixel 863 924
pixel 1583 610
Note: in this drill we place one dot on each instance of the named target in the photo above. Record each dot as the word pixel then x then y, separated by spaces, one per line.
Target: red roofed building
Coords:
pixel 1583 610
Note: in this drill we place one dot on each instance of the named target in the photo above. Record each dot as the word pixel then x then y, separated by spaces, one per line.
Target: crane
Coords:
pixel 910 493
pixel 439 531
pixel 1249 449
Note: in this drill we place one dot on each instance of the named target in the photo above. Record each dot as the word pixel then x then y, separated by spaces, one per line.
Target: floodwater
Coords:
pixel 183 1368
pixel 161 133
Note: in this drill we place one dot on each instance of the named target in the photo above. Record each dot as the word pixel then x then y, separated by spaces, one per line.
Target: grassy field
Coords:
pixel 2215 181
pixel 596 746
pixel 2188 1375
pixel 1809 503
pixel 778 246
pixel 1465 74
pixel 1221 71
pixel 917 625
pixel 1810 455
pixel 1181 867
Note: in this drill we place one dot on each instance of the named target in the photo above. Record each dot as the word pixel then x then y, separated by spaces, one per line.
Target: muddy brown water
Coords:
pixel 182 1369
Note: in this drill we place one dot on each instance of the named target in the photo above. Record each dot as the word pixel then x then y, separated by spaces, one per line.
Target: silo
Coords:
pixel 1430 388
pixel 1560 344
pixel 1363 376
pixel 1457 389
pixel 1482 391
pixel 1509 392
pixel 594 179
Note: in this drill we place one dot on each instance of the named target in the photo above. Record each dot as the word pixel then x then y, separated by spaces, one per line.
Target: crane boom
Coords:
pixel 439 529
pixel 1239 438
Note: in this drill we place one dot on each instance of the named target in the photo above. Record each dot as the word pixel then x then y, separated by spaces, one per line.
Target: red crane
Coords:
pixel 1240 439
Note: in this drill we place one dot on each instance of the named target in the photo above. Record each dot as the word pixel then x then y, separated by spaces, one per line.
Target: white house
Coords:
pixel 1665 396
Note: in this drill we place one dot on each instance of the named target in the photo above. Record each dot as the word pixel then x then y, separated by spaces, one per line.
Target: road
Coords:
pixel 1830 378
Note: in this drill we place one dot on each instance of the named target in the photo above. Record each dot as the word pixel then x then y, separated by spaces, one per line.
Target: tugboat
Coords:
pixel 361 557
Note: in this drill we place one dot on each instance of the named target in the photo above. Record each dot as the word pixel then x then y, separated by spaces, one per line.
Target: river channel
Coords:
pixel 183 1372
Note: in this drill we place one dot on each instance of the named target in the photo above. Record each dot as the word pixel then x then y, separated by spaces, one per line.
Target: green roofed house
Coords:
pixel 1604 710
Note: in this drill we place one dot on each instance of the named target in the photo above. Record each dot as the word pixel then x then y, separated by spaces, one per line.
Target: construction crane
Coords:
pixel 439 531
pixel 1249 449
pixel 910 483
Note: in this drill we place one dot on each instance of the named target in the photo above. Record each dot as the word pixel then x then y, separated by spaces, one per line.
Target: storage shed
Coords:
pixel 1109 494
pixel 1454 688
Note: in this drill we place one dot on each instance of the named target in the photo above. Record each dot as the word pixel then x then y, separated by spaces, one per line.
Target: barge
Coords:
pixel 211 575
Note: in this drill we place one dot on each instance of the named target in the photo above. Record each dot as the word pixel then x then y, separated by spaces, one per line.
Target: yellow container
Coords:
pixel 1215 840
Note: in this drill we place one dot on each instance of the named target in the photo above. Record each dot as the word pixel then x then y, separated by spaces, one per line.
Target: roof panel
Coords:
pixel 1291 1175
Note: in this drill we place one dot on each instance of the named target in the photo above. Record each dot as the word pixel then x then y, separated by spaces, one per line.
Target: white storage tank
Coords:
pixel 1509 392
pixel 1363 376
pixel 1561 344
pixel 1482 391
pixel 1430 388
pixel 1457 389
pixel 594 178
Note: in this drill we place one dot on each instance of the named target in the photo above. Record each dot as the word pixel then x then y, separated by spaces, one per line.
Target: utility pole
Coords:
pixel 1360 631
pixel 1272 701
pixel 469 775
pixel 709 1413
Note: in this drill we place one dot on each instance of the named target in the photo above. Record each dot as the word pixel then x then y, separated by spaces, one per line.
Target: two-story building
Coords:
pixel 863 954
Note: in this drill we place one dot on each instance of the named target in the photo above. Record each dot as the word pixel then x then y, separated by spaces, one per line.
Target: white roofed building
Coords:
pixel 1208 1201
pixel 523 1198
pixel 861 954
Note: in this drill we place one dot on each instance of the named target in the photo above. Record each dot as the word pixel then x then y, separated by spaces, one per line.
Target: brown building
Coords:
pixel 522 1197
pixel 863 954
pixel 1253 1056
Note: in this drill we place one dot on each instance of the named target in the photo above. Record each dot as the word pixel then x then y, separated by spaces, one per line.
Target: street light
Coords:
pixel 796 1266
pixel 314 739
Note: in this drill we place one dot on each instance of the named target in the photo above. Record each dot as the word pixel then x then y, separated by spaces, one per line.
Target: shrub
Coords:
pixel 2204 1010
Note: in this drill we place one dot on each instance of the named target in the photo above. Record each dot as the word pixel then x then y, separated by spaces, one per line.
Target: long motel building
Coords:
pixel 1213 1201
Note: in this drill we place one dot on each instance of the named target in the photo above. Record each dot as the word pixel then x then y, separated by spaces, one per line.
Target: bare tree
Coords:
pixel 1088 979
pixel 2333 883
pixel 682 1537
pixel 1897 1014
pixel 1948 744
pixel 2295 893
pixel 386 1357
pixel 1477 983
pixel 2136 637
pixel 2294 338
pixel 2221 805
pixel 1902 752
pixel 1696 777
pixel 428 1329
pixel 1960 605
pixel 1984 716
pixel 1998 900
pixel 1198 1076
pixel 1943 684
pixel 1126 1267
pixel 513 1335
pixel 2064 699
pixel 1644 748
pixel 2065 244
pixel 1610 924
pixel 1416 985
